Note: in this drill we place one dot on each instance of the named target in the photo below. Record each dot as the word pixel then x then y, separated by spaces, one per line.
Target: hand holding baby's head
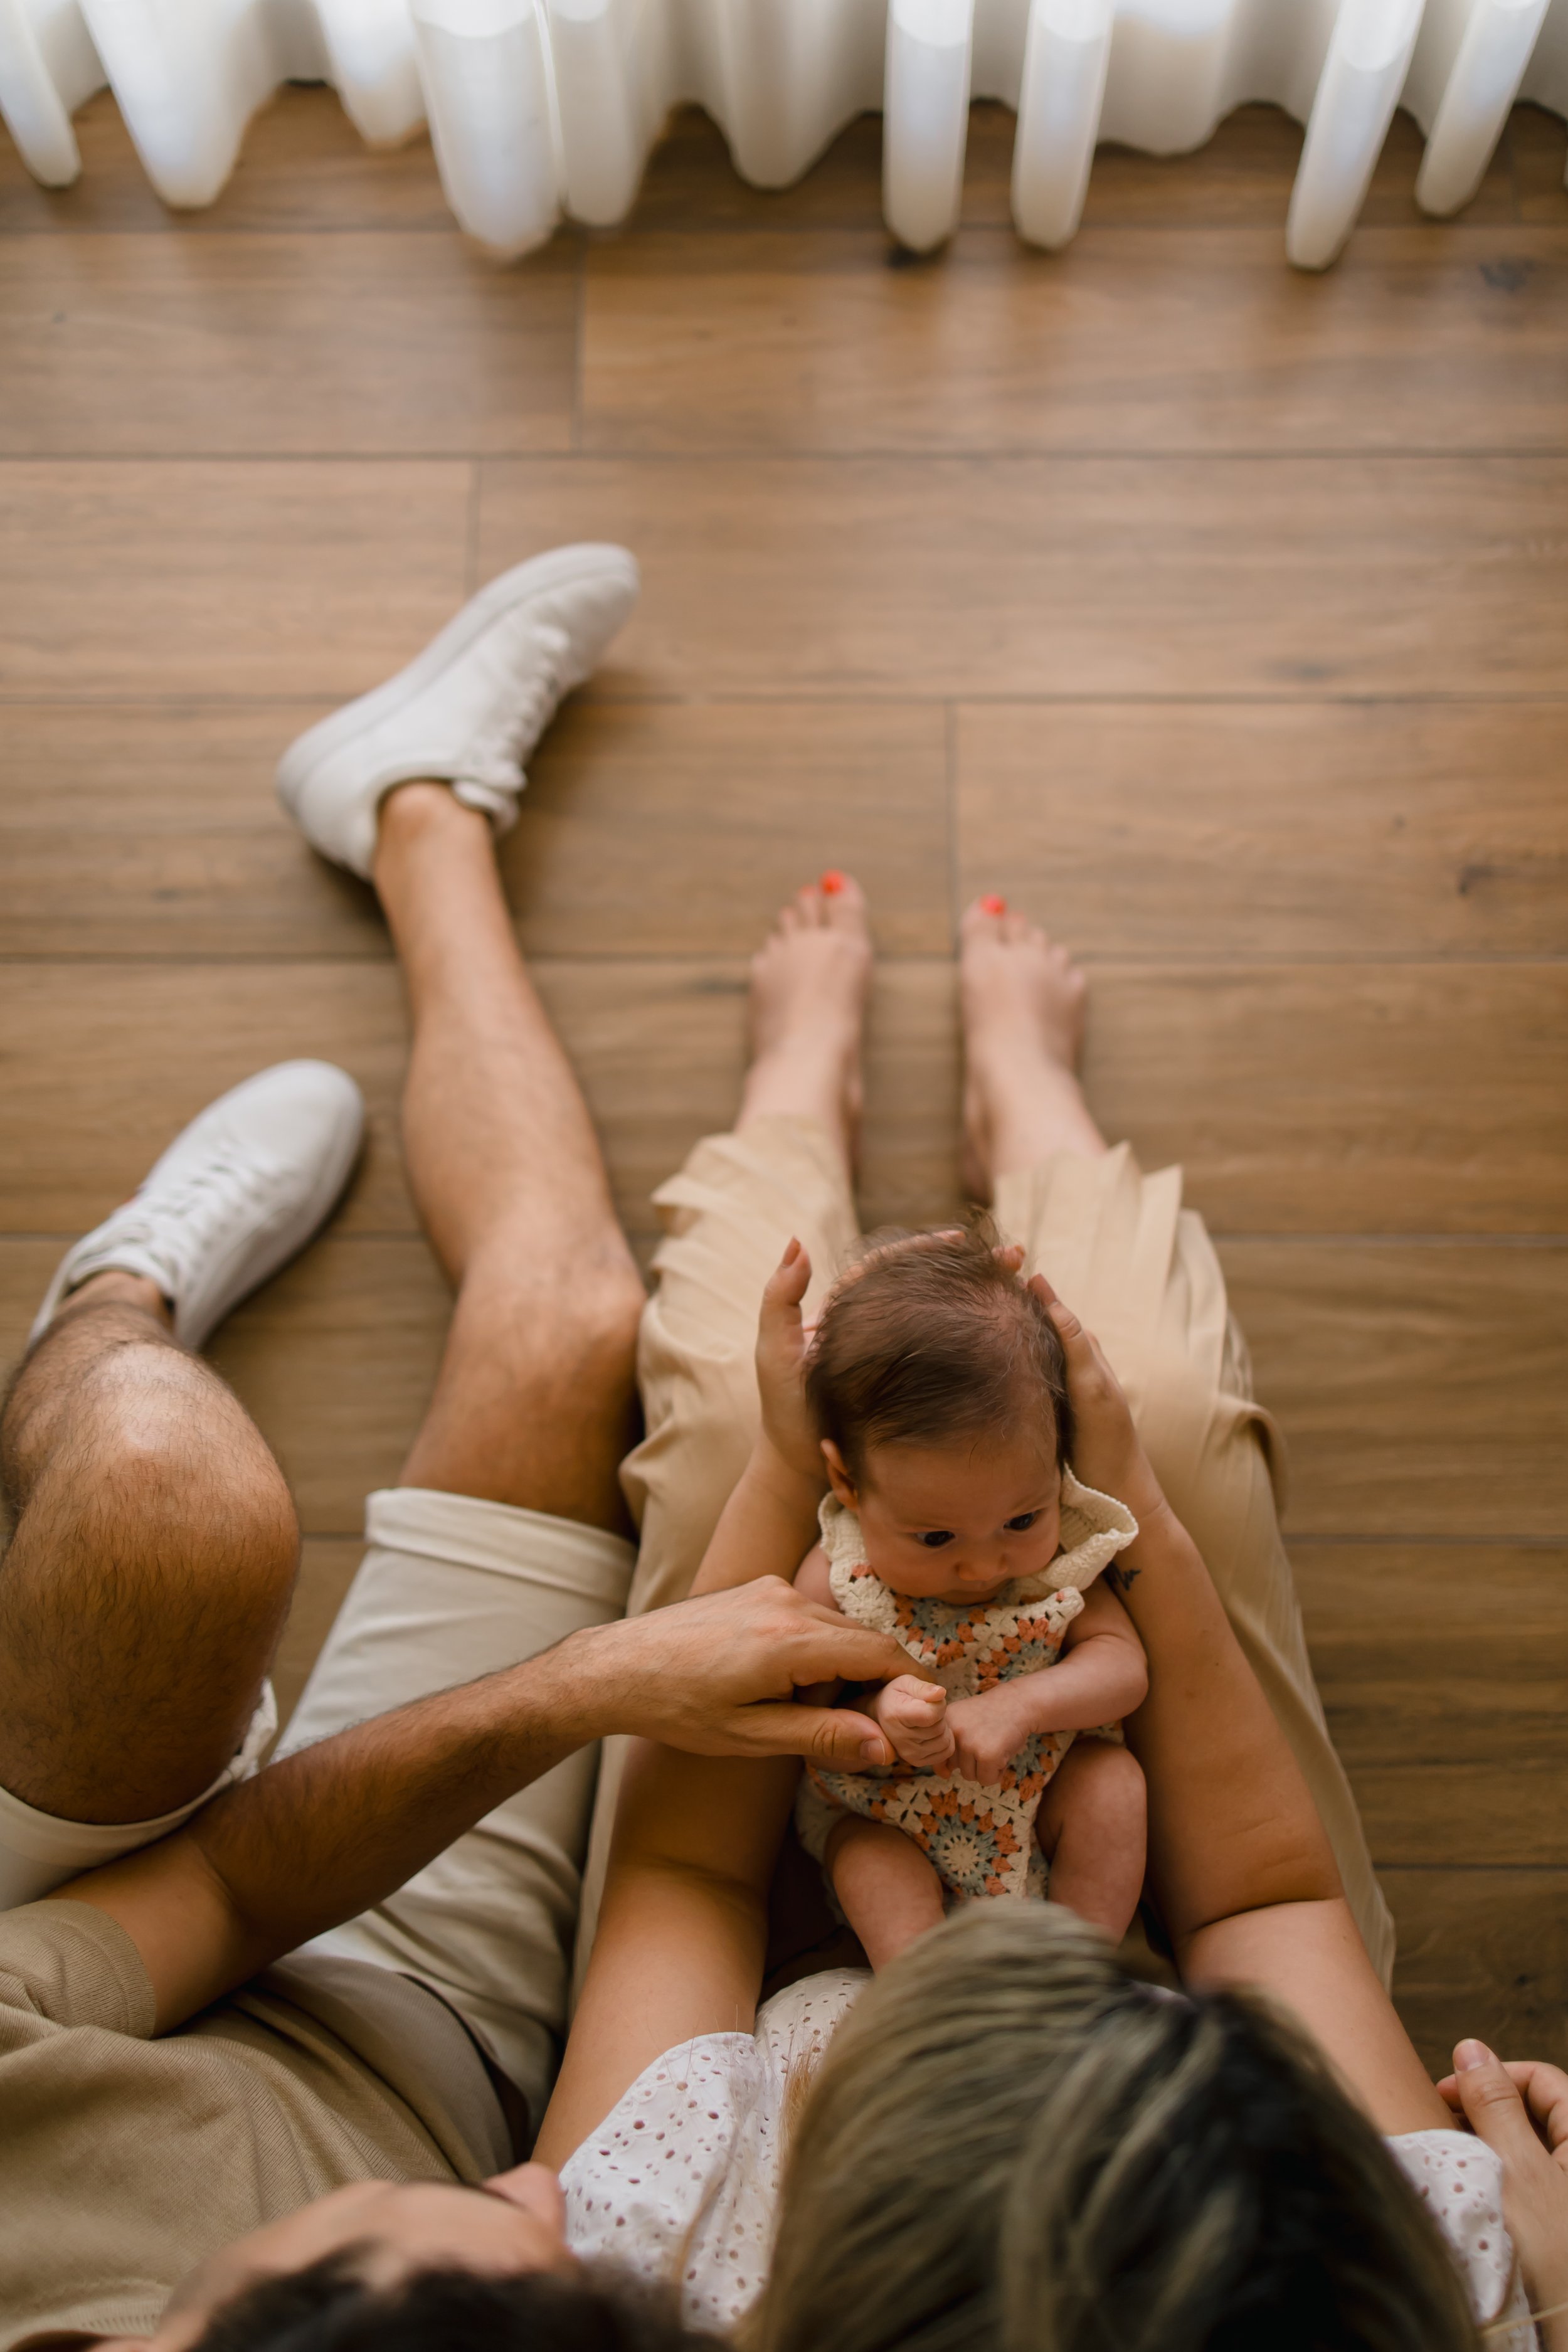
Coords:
pixel 939 1388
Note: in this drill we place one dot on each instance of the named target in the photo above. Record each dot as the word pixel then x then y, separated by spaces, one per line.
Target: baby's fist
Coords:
pixel 913 1713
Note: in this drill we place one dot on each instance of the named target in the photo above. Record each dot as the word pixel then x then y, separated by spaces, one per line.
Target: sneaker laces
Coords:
pixel 494 759
pixel 177 1225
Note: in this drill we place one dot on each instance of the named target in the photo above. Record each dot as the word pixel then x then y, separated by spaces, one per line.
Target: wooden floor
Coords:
pixel 1213 613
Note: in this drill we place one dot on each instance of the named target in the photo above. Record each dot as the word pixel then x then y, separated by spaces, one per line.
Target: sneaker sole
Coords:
pixel 541 573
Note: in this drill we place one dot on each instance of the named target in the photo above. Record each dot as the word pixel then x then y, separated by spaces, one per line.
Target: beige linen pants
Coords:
pixel 1142 1272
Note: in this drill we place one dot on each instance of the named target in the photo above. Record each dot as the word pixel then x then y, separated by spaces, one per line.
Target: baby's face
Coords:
pixel 957 1523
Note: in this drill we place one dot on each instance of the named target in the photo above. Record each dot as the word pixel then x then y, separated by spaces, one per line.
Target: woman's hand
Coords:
pixel 913 1713
pixel 787 1424
pixel 1107 1450
pixel 1520 2111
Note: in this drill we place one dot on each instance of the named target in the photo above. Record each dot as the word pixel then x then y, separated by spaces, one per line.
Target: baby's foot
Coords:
pixel 1023 1003
pixel 810 986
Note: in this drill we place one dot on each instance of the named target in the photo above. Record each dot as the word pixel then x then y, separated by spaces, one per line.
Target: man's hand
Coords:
pixel 1520 2111
pixel 913 1713
pixel 989 1731
pixel 717 1676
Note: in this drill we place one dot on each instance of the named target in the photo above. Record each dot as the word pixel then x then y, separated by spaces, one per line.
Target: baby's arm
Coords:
pixel 1101 1675
pixel 912 1713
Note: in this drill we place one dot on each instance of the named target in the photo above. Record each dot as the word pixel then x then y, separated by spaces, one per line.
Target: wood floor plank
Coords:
pixel 1344 1099
pixel 1252 831
pixel 681 829
pixel 1128 340
pixel 1438 1652
pixel 1243 174
pixel 135 831
pixel 1247 172
pixel 111 1059
pixel 1434 1815
pixel 1535 143
pixel 1421 1387
pixel 659 1047
pixel 1289 829
pixel 275 345
pixel 302 166
pixel 142 580
pixel 645 830
pixel 1079 577
pixel 1300 1099
pixel 1482 1952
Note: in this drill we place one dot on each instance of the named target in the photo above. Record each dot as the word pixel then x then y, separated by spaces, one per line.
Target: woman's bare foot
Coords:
pixel 810 985
pixel 1022 1001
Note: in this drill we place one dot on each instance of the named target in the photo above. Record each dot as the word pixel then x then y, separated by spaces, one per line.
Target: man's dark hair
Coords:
pixel 329 2308
pixel 922 1345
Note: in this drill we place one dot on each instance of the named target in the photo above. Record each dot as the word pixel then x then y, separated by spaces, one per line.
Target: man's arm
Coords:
pixel 333 1830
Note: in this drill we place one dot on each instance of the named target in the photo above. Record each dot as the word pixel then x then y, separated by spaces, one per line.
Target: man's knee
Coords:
pixel 154 1464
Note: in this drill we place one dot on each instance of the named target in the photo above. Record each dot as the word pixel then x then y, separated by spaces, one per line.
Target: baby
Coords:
pixel 938 1386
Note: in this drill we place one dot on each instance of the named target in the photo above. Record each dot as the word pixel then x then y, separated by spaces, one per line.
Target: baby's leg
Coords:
pixel 889 1890
pixel 1093 1827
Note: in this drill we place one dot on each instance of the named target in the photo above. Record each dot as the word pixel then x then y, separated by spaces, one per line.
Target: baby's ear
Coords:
pixel 838 1476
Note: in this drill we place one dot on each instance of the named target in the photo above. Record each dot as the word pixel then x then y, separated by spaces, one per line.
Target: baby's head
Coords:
pixel 940 1391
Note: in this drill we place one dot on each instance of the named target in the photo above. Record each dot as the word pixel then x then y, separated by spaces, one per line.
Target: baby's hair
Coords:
pixel 925 1344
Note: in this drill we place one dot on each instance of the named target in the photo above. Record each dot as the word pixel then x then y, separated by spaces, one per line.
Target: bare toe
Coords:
pixel 809 985
pixel 1023 1001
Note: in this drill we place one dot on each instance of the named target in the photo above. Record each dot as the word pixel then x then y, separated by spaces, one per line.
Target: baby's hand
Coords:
pixel 987 1735
pixel 914 1715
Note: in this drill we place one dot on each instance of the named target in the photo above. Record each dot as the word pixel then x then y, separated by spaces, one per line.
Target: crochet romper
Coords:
pixel 980 1840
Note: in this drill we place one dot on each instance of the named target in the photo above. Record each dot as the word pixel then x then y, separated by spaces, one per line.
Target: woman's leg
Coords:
pixel 1142 1272
pixel 785 1170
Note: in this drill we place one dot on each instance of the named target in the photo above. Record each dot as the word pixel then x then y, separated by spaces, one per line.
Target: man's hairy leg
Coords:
pixel 536 1402
pixel 152 1553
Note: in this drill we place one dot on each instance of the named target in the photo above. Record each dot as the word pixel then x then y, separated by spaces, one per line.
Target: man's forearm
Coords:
pixel 331 1831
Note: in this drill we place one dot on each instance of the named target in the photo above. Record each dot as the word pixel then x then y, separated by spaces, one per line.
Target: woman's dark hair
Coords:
pixel 928 1338
pixel 1012 2146
pixel 329 2308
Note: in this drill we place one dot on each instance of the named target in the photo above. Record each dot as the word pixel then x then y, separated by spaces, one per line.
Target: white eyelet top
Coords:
pixel 681 2181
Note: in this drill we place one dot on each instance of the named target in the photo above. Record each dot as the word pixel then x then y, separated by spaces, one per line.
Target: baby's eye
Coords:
pixel 935 1538
pixel 1017 1526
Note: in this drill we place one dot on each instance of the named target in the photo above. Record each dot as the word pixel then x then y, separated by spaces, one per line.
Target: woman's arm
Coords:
pixel 683 1924
pixel 683 1928
pixel 1241 1868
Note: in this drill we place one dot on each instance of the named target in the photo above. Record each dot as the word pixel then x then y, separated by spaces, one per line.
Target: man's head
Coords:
pixel 415 2266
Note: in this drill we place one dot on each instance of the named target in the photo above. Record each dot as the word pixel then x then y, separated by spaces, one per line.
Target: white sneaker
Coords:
pixel 232 1198
pixel 469 708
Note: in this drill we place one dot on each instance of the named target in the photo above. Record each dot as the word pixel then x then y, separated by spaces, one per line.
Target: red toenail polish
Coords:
pixel 831 883
pixel 992 905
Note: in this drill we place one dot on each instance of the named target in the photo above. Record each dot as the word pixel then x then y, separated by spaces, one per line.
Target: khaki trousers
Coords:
pixel 1140 1271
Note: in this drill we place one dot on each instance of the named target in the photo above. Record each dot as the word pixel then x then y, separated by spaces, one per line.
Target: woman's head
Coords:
pixel 939 1388
pixel 1014 2146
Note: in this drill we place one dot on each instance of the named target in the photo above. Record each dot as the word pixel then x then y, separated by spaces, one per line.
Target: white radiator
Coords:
pixel 542 110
